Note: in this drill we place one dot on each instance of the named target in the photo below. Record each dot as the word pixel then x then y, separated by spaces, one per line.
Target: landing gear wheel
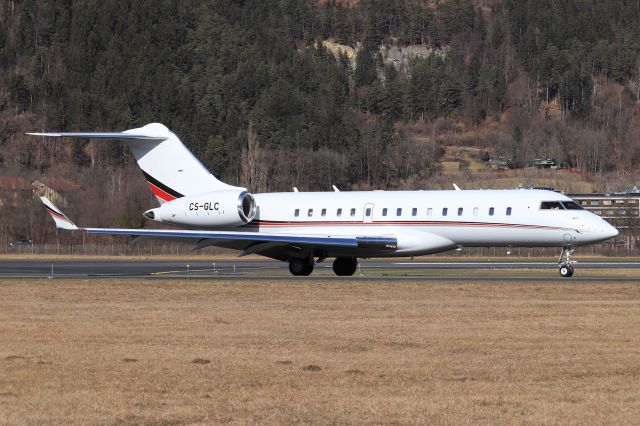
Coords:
pixel 566 271
pixel 345 266
pixel 301 267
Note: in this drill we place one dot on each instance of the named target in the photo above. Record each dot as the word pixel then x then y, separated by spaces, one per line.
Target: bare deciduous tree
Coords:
pixel 254 168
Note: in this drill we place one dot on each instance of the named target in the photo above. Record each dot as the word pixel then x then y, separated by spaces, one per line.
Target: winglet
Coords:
pixel 61 220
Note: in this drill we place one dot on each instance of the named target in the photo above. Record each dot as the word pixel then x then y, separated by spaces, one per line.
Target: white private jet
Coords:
pixel 300 227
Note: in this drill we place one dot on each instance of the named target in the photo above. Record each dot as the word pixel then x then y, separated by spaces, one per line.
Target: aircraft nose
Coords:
pixel 610 231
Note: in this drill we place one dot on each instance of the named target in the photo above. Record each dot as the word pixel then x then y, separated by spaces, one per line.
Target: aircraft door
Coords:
pixel 368 213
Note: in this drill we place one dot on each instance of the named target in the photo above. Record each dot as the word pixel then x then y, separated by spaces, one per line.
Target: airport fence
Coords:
pixel 621 246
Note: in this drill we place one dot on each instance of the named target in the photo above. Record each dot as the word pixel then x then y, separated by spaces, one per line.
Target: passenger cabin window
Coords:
pixel 339 212
pixel 384 211
pixel 310 212
pixel 414 212
pixel 429 211
pixel 508 211
pixel 323 212
pixel 353 212
pixel 444 211
pixel 475 211
pixel 399 212
pixel 491 211
pixel 551 205
pixel 460 210
pixel 296 213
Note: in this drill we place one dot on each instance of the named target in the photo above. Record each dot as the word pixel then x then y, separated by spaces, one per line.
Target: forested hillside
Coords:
pixel 254 89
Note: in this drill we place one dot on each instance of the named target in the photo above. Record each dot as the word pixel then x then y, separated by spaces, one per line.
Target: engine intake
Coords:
pixel 246 206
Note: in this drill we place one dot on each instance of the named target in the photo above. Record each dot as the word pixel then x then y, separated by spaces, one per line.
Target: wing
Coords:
pixel 278 246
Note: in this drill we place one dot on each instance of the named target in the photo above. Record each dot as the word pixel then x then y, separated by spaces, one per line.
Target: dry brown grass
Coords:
pixel 136 351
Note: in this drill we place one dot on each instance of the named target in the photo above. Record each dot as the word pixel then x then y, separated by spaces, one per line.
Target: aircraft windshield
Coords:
pixel 551 205
pixel 571 205
pixel 560 205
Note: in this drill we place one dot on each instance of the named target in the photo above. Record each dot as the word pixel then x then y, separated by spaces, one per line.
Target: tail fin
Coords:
pixel 170 168
pixel 61 220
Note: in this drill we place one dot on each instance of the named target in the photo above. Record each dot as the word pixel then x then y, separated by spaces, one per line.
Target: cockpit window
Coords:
pixel 551 205
pixel 570 205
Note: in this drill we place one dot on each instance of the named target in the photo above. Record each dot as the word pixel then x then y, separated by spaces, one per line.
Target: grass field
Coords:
pixel 178 352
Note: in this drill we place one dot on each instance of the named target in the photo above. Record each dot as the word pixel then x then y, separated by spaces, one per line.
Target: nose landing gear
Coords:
pixel 566 270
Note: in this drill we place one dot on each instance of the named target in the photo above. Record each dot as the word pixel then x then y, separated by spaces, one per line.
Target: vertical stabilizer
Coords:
pixel 171 170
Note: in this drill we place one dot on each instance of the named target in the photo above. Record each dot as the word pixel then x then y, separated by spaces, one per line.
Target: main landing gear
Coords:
pixel 301 267
pixel 345 266
pixel 566 270
pixel 342 266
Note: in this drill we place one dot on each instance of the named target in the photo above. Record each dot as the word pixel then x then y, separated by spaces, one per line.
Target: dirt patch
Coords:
pixel 311 367
pixel 15 358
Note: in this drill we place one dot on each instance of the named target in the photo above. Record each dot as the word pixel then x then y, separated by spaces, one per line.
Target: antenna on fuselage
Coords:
pixel 456 187
pixel 335 188
pixel 295 189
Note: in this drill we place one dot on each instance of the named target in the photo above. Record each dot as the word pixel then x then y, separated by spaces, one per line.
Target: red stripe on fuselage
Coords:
pixel 400 223
pixel 160 193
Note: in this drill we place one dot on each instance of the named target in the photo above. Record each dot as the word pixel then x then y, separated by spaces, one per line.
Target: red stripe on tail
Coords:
pixel 160 193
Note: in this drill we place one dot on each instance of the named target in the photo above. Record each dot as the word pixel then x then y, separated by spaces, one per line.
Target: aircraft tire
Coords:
pixel 300 267
pixel 566 271
pixel 345 266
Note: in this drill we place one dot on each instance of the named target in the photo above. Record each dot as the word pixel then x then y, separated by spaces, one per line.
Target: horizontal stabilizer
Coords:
pixel 107 135
pixel 61 220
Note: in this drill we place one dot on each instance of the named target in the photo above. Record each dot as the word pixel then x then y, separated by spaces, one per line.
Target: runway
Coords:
pixel 258 269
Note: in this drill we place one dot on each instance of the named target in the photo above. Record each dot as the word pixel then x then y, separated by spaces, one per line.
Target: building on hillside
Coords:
pixel 500 163
pixel 544 163
pixel 14 189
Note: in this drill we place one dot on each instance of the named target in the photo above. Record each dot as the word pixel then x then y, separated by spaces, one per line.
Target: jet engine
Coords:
pixel 211 209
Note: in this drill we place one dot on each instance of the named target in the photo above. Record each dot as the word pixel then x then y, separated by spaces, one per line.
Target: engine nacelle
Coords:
pixel 211 209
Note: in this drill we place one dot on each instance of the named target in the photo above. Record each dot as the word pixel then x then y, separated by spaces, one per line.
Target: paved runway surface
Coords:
pixel 253 269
